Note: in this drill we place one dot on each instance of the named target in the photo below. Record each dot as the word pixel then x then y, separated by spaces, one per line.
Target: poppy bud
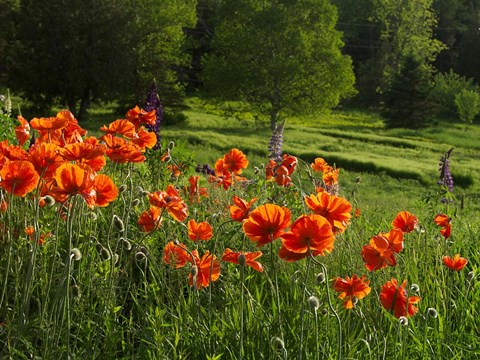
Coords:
pixel 75 289
pixel 242 260
pixel 415 288
pixel 93 216
pixel 118 223
pixel 324 312
pixel 143 249
pixel 99 247
pixel 471 275
pixel 140 257
pixel 278 343
pixel 403 320
pixel 194 271
pixel 135 202
pixel 358 179
pixel 320 278
pixel 432 313
pixel 314 303
pixel 122 188
pixel 167 158
pixel 49 201
pixel 256 170
pixel 354 300
pixel 116 257
pixel 171 145
pixel 144 193
pixel 139 189
pixel 126 244
pixel 105 254
pixel 75 254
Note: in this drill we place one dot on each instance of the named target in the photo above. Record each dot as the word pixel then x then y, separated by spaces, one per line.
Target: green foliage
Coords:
pixel 468 105
pixel 280 57
pixel 406 100
pixel 446 86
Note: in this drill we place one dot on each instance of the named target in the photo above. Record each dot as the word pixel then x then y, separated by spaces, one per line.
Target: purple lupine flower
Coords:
pixel 446 178
pixel 153 103
pixel 204 169
pixel 276 143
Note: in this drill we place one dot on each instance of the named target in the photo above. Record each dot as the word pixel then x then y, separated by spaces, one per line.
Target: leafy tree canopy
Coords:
pixel 279 56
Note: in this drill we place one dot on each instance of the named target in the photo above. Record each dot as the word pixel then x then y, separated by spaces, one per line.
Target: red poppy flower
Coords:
pixel 105 190
pixel 394 298
pixel 48 124
pixel 335 209
pixel 234 161
pixel 22 131
pixel 232 256
pixel 46 159
pixel 357 212
pixel 405 221
pixel 380 252
pixel 121 151
pixel 170 200
pixel 319 165
pixel 139 116
pixel 72 132
pixel 199 231
pixel 457 263
pixel 290 162
pixel 194 191
pixel 73 179
pixel 18 177
pixel 350 288
pixel 266 223
pixel 176 255
pixel 119 127
pixel 282 177
pixel 150 219
pixel 445 222
pixel 84 152
pixel 206 269
pixel 12 152
pixel 309 232
pixel 270 169
pixel 144 139
pixel 241 209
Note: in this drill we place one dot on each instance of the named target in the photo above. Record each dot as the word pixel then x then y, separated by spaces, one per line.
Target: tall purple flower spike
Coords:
pixel 153 103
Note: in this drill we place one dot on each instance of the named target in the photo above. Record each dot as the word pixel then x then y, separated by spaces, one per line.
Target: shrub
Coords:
pixel 467 103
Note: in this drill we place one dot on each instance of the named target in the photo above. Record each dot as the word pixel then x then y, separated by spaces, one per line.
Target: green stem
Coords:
pixel 302 312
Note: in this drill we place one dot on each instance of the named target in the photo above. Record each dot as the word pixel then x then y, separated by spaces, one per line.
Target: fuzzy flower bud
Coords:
pixel 118 223
pixel 242 260
pixel 432 313
pixel 75 254
pixel 49 201
pixel 403 320
pixel 320 278
pixel 122 188
pixel 314 303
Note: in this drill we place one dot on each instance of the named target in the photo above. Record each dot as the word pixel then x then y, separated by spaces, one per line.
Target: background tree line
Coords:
pixel 407 57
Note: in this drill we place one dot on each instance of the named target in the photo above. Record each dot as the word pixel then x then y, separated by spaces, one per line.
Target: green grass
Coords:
pixel 122 301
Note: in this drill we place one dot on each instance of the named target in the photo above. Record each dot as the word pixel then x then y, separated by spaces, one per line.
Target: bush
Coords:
pixel 467 103
pixel 445 87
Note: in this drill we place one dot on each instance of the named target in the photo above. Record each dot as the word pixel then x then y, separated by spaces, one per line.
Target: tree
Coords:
pixel 468 105
pixel 407 99
pixel 278 56
pixel 79 50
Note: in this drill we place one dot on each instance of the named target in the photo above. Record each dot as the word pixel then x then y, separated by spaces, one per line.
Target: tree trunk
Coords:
pixel 84 105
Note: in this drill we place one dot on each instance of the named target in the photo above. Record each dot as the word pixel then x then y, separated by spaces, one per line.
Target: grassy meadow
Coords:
pixel 92 270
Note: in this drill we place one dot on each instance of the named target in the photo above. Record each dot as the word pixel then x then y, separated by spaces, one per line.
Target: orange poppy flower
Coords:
pixel 170 200
pixel 380 252
pixel 49 124
pixel 357 212
pixel 394 298
pixel 144 139
pixel 330 177
pixel 121 151
pixel 176 255
pixel 224 179
pixel 270 169
pixel 30 231
pixel 350 288
pixel 12 152
pixel 92 155
pixel 105 190
pixel 457 263
pixel 46 159
pixel 445 222
pixel 150 219
pixel 73 179
pixel 22 131
pixel 405 221
pixel 234 161
pixel 309 232
pixel 241 209
pixel 207 269
pixel 282 177
pixel 72 132
pixel 334 208
pixel 319 165
pixel 266 223
pixel 232 256
pixel 119 127
pixel 139 116
pixel 194 191
pixel 18 177
pixel 199 231
pixel 290 162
